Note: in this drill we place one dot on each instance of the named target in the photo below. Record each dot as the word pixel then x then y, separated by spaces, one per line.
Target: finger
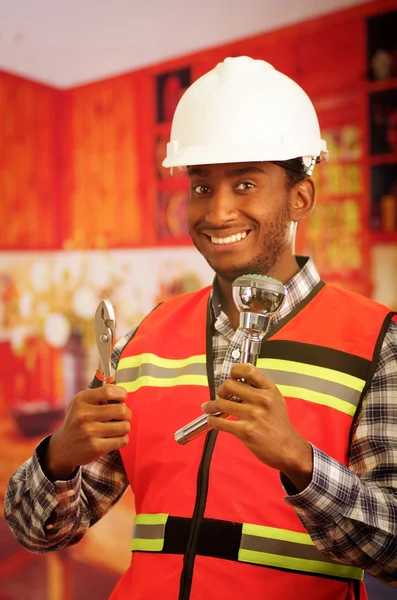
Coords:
pixel 110 412
pixel 252 375
pixel 235 409
pixel 246 393
pixel 221 424
pixel 112 429
pixel 103 395
pixel 107 445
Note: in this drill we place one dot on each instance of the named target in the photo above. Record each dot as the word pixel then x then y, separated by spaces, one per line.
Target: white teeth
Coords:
pixel 229 240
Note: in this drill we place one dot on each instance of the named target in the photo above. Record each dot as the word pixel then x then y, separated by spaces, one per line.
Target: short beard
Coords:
pixel 276 238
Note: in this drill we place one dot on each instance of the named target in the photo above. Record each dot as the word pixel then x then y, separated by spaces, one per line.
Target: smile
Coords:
pixel 230 239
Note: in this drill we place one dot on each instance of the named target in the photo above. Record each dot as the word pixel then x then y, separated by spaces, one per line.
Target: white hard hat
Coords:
pixel 244 110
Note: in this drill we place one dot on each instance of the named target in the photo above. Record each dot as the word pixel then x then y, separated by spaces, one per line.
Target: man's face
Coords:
pixel 239 217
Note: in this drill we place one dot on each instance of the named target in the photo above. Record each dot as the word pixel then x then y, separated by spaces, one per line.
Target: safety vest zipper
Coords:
pixel 201 501
pixel 202 477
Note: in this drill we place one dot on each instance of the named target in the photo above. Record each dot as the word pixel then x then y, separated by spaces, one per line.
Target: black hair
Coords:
pixel 293 178
pixel 294 171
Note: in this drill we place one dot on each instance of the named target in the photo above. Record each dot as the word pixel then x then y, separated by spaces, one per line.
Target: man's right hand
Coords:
pixel 92 428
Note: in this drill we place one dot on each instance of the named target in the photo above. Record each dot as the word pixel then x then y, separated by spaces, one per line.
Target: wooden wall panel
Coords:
pixel 80 168
pixel 101 174
pixel 29 177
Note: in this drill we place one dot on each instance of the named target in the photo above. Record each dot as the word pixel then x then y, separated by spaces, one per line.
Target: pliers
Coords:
pixel 105 332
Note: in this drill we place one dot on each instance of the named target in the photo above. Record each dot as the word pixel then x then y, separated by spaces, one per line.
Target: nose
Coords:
pixel 221 208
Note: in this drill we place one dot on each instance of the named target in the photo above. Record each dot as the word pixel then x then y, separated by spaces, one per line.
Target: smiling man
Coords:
pixel 296 496
pixel 243 219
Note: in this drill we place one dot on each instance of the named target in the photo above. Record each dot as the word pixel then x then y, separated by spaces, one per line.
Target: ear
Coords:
pixel 302 200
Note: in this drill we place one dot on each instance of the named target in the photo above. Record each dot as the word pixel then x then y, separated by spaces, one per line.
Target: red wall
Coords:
pixel 79 168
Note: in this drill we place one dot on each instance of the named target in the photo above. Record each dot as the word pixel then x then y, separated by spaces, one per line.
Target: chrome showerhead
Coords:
pixel 258 298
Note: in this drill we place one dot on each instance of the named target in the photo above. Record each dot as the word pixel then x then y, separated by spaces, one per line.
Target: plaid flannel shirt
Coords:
pixel 350 513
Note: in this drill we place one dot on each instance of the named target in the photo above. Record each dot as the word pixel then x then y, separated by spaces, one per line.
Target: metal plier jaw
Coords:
pixel 105 331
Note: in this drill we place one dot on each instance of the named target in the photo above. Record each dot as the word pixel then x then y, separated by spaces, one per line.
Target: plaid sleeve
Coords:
pixel 45 515
pixel 351 513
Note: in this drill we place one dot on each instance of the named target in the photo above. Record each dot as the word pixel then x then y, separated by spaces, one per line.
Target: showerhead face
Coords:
pixel 258 294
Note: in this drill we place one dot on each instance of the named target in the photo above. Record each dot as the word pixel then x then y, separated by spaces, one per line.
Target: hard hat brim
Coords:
pixel 201 155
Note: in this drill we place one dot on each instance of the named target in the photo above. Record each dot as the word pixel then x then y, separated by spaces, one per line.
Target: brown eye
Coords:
pixel 244 186
pixel 200 189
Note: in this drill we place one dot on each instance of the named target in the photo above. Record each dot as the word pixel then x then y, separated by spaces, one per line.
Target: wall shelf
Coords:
pixel 383 159
pixel 384 237
pixel 382 85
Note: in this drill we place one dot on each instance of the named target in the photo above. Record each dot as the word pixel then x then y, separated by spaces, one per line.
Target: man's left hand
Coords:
pixel 262 423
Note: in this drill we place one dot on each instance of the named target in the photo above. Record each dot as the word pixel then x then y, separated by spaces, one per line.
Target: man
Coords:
pixel 296 495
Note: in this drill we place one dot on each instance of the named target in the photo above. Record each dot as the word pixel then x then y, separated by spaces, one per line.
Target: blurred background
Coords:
pixel 87 93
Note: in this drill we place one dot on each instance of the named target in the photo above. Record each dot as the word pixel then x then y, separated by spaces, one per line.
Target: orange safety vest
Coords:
pixel 211 519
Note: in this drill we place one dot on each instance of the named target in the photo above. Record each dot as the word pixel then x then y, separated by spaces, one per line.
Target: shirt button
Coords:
pixel 49 498
pixel 70 493
pixel 236 354
pixel 49 526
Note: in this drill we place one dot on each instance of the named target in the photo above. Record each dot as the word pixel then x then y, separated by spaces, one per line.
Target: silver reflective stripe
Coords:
pixel 314 384
pixel 283 548
pixel 148 532
pixel 311 383
pixel 148 369
pixel 291 550
pixel 260 545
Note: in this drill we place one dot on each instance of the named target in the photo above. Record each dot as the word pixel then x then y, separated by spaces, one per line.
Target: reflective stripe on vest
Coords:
pixel 148 532
pixel 256 544
pixel 312 383
pixel 151 370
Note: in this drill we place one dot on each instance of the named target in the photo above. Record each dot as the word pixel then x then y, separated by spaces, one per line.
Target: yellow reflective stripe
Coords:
pixel 149 519
pixel 277 534
pixel 318 398
pixel 276 364
pixel 158 361
pixel 147 380
pixel 149 544
pixel 261 545
pixel 298 564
